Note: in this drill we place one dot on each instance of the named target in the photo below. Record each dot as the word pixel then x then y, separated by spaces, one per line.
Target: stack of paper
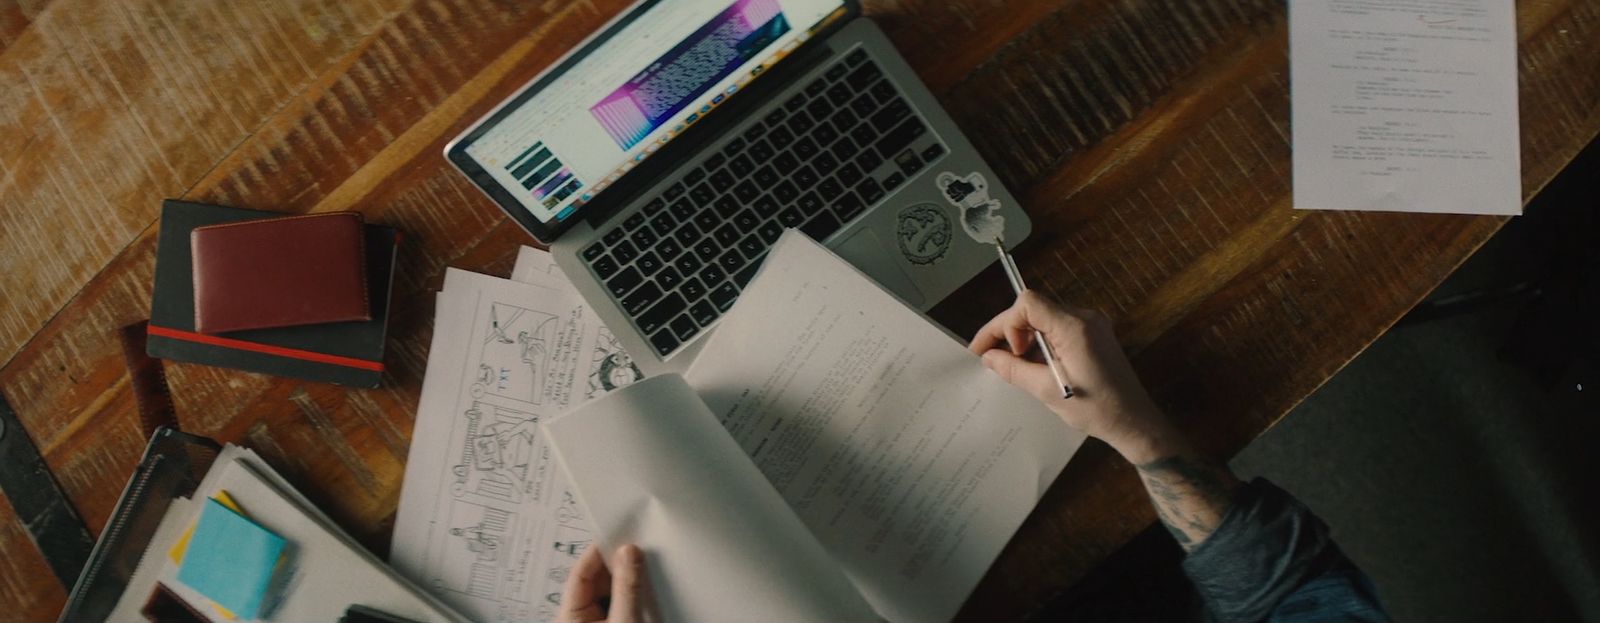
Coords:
pixel 328 570
pixel 487 521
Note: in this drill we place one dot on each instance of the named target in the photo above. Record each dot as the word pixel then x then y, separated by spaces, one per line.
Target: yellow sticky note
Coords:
pixel 223 612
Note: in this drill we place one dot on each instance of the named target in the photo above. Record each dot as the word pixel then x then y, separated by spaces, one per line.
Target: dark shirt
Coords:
pixel 1272 560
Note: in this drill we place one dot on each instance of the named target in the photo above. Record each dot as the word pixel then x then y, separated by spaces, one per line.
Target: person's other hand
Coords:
pixel 592 581
pixel 1109 403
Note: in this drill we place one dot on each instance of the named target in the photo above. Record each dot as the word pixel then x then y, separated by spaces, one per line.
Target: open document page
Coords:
pixel 908 459
pixel 1405 106
pixel 653 467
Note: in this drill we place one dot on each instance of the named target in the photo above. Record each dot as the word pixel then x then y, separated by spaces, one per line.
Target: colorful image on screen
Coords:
pixel 683 73
pixel 543 175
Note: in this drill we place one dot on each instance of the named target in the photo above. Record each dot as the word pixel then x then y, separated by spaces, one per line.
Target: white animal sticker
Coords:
pixel 980 214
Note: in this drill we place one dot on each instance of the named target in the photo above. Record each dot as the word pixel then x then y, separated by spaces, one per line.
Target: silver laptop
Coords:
pixel 662 157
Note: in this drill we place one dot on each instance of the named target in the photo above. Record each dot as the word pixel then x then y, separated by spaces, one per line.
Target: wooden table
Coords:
pixel 1149 140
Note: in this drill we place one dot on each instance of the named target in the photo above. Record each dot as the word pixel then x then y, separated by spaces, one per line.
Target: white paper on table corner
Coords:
pixel 539 267
pixel 1403 107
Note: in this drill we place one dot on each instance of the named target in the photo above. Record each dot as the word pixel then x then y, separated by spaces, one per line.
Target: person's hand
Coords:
pixel 592 581
pixel 1109 403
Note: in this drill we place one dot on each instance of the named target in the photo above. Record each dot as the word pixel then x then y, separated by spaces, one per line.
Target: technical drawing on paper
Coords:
pixel 570 538
pixel 500 529
pixel 515 351
pixel 494 528
pixel 482 543
pixel 612 367
pixel 500 459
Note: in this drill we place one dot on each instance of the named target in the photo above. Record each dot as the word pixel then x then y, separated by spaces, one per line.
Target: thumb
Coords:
pixel 1031 377
pixel 628 586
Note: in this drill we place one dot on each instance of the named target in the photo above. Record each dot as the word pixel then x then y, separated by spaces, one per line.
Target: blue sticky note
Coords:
pixel 231 560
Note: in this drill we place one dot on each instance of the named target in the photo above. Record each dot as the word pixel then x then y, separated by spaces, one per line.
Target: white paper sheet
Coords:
pixel 655 468
pixel 1405 106
pixel 911 462
pixel 486 520
pixel 537 266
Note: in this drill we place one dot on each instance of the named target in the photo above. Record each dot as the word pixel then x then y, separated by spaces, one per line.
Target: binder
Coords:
pixel 327 568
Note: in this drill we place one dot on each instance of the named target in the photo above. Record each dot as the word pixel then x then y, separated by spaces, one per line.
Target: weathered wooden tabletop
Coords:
pixel 1148 138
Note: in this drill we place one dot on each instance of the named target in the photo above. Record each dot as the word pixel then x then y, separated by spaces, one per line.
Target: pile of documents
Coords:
pixel 830 454
pixel 247 546
pixel 486 518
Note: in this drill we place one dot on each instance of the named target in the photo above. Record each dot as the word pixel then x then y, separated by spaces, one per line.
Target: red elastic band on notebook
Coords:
pixel 292 353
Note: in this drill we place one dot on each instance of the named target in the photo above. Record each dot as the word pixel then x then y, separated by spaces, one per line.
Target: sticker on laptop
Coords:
pixel 923 232
pixel 980 214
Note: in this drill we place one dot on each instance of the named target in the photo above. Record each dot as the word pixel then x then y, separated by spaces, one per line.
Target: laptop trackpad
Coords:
pixel 866 252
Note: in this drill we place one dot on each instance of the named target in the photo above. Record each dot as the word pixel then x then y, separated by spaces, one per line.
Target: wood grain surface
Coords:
pixel 1148 138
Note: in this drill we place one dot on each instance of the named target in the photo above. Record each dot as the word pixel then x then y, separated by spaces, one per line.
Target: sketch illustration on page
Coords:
pixel 481 530
pixel 494 527
pixel 517 346
pixel 612 367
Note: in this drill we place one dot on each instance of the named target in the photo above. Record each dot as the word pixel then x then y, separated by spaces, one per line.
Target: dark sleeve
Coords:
pixel 1272 559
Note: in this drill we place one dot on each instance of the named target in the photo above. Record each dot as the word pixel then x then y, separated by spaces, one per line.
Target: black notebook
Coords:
pixel 346 353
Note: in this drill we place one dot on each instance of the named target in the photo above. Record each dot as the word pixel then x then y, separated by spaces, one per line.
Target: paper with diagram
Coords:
pixel 486 520
pixel 1405 106
pixel 611 366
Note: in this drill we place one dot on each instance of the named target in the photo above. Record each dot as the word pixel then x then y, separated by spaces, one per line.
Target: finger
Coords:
pixel 1015 326
pixel 992 333
pixel 628 585
pixel 580 599
pixel 1034 378
pixel 1020 339
pixel 1041 313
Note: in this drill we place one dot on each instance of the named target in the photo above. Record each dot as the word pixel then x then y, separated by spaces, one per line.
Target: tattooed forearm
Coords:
pixel 1190 495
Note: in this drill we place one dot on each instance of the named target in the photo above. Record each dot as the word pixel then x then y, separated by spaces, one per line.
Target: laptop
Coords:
pixel 662 157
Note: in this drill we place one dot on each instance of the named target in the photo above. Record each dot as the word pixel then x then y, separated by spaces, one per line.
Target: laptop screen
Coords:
pixel 557 147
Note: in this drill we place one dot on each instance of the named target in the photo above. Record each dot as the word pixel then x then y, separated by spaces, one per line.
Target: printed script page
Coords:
pixel 1405 106
pixel 909 460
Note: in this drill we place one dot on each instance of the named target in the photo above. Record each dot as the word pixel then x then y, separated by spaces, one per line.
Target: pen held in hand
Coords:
pixel 1014 275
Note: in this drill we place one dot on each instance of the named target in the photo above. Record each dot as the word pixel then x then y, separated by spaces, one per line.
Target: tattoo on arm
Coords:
pixel 1191 495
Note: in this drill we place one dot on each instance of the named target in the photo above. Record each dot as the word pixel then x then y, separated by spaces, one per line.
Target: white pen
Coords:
pixel 1015 276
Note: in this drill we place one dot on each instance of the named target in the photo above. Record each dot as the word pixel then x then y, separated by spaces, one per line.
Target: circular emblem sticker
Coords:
pixel 923 233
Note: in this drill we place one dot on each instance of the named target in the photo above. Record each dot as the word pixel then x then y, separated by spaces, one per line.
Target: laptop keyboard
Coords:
pixel 835 147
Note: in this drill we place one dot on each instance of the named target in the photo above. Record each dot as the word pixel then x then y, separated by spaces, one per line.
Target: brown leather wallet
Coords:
pixel 279 272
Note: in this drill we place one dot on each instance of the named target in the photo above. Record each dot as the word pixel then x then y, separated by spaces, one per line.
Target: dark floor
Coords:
pixel 1456 478
pixel 1457 459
